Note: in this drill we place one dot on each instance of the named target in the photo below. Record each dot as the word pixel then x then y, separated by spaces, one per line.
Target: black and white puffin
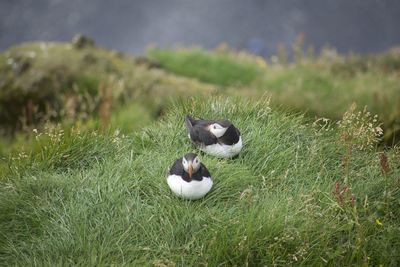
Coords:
pixel 219 138
pixel 189 178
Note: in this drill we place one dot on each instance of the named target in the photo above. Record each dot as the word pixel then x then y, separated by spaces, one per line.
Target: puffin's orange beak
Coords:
pixel 190 169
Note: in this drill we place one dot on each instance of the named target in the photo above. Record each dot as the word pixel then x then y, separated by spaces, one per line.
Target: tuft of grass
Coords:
pixel 283 201
pixel 216 68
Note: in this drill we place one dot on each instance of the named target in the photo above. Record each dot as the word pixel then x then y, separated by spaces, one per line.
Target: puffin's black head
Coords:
pixel 191 163
pixel 219 127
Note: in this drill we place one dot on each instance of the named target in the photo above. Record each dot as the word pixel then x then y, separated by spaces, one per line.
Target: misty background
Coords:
pixel 362 26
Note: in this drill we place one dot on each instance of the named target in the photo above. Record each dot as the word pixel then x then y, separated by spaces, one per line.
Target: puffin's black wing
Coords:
pixel 202 136
pixel 177 167
pixel 200 174
pixel 204 171
pixel 198 132
pixel 230 137
pixel 237 131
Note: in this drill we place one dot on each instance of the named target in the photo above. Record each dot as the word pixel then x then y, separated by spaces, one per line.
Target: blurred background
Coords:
pixel 118 64
pixel 360 25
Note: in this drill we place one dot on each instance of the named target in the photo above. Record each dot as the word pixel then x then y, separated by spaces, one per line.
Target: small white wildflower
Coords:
pixel 359 129
pixel 10 61
pixel 31 54
pixel 379 130
pixel 274 59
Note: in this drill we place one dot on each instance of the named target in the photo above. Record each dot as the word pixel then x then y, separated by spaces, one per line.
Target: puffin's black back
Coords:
pixel 201 136
pixel 198 132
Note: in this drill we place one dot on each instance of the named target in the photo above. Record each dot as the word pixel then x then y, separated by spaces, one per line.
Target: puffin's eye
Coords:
pixel 215 127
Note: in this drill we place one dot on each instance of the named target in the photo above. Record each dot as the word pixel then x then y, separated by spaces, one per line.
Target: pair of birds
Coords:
pixel 188 177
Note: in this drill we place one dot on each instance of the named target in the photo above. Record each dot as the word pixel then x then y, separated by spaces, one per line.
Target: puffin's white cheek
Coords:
pixel 219 132
pixel 185 166
pixel 196 166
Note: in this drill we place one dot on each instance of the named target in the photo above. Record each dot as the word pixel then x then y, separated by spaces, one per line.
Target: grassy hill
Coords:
pixel 82 82
pixel 83 85
pixel 300 193
pixel 322 86
pixel 87 135
pixel 59 81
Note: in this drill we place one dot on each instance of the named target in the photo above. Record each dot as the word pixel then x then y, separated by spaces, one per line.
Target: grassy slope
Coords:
pixel 93 199
pixel 203 65
pixel 322 93
pixel 68 82
pixel 324 86
pixel 63 83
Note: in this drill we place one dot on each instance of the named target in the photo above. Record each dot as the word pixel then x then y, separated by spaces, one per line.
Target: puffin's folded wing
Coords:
pixel 177 167
pixel 231 136
pixel 204 171
pixel 237 131
pixel 202 136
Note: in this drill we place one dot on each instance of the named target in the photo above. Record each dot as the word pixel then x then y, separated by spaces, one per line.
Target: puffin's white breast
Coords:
pixel 223 151
pixel 189 190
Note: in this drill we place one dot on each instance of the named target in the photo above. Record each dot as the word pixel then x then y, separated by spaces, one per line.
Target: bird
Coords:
pixel 218 138
pixel 188 178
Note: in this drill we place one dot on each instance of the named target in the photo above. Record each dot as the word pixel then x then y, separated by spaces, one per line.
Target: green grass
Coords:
pixel 95 199
pixel 46 81
pixel 324 86
pixel 321 93
pixel 58 81
pixel 132 117
pixel 91 191
pixel 216 68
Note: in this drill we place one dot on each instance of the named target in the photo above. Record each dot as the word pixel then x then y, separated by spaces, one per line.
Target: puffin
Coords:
pixel 188 178
pixel 218 138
